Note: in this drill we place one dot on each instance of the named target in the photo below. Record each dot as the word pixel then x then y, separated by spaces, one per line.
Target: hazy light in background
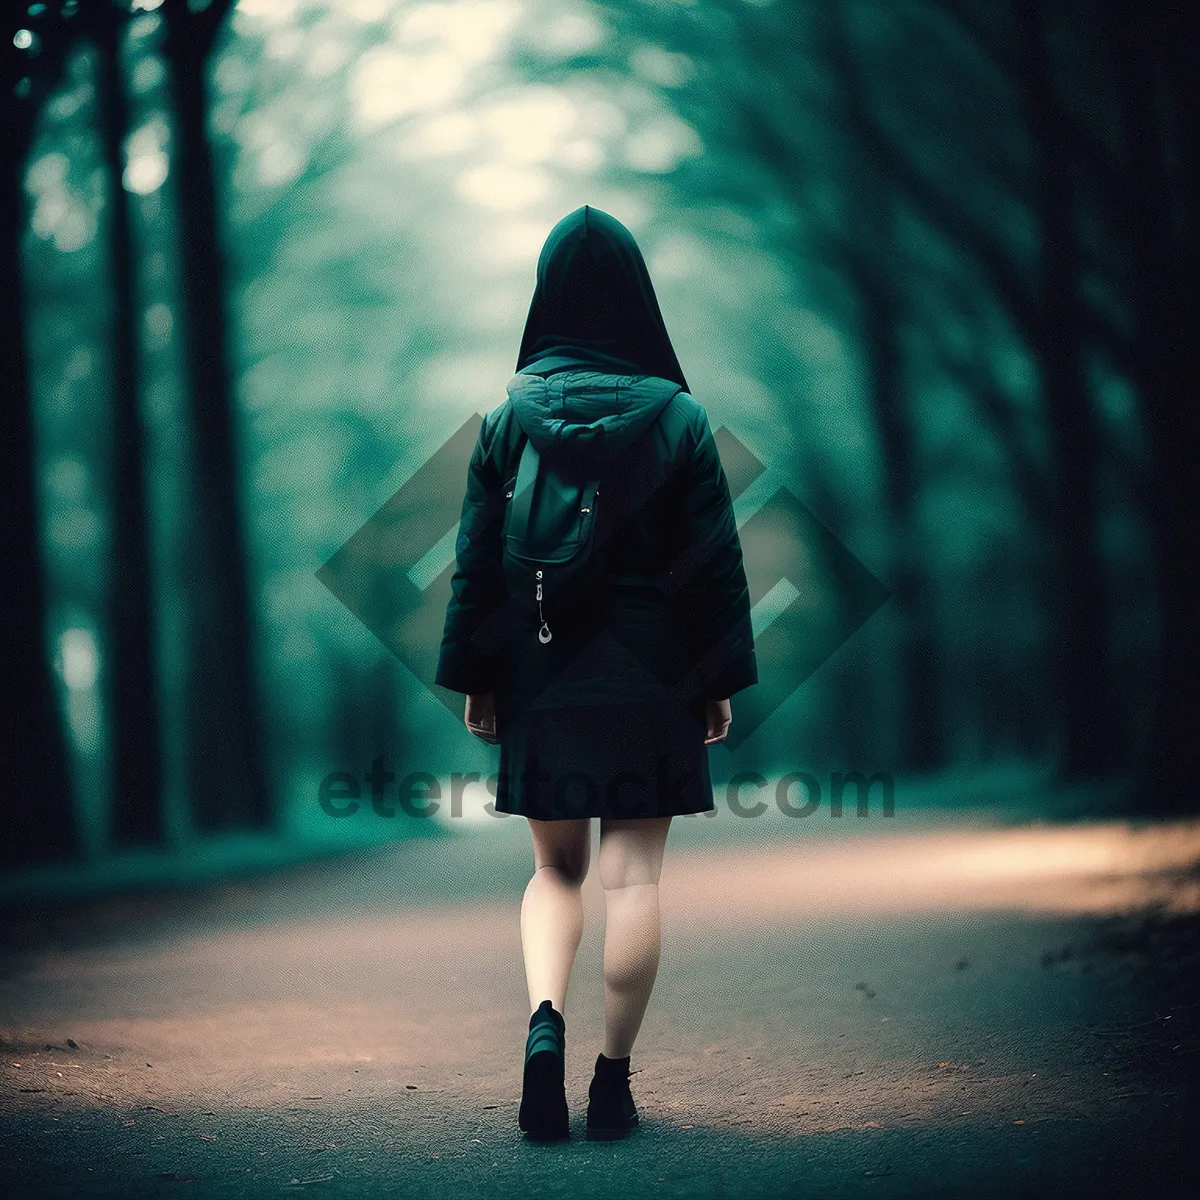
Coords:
pixel 661 144
pixel 504 188
pixel 677 256
pixel 80 662
pixel 144 25
pixel 441 136
pixel 148 74
pixel 284 44
pixel 516 241
pixel 60 213
pixel 67 103
pixel 599 117
pixel 584 154
pixel 146 158
pixel 367 11
pixel 389 84
pixel 328 55
pixel 572 33
pixel 441 44
pixel 80 364
pixel 279 163
pixel 67 479
pixel 159 325
pixel 472 29
pixel 661 67
pixel 529 125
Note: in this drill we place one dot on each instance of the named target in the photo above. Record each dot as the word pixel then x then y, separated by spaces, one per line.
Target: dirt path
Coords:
pixel 883 1015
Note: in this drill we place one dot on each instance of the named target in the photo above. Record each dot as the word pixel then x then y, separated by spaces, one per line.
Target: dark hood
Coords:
pixel 587 416
pixel 594 305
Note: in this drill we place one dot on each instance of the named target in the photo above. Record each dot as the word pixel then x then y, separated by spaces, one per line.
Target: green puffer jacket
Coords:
pixel 675 618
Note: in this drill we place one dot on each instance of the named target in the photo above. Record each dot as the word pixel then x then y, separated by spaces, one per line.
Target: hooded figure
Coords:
pixel 612 717
pixel 598 386
pixel 593 314
pixel 594 305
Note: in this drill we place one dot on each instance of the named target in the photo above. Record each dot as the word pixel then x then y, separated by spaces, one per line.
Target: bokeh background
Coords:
pixel 931 264
pixel 928 261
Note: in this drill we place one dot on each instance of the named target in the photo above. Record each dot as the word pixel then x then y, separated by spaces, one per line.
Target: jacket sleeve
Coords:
pixel 465 661
pixel 710 575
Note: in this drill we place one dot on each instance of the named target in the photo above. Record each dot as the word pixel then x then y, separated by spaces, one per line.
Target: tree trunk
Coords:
pixel 869 256
pixel 1090 745
pixel 133 697
pixel 33 761
pixel 1158 96
pixel 227 779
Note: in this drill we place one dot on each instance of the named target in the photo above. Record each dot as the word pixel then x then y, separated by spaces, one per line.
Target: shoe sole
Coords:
pixel 543 1113
pixel 599 1134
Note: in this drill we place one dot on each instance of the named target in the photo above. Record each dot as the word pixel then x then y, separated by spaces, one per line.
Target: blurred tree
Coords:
pixel 33 763
pixel 864 248
pixel 227 784
pixel 1056 328
pixel 137 815
pixel 1151 48
pixel 227 778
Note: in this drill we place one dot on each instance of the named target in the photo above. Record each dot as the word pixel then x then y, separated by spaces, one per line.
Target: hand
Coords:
pixel 719 716
pixel 480 717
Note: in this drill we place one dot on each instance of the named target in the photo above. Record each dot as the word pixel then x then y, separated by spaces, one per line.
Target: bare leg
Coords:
pixel 631 853
pixel 552 908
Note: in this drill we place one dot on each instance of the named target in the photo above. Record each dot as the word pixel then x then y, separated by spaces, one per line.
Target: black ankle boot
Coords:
pixel 543 1113
pixel 611 1111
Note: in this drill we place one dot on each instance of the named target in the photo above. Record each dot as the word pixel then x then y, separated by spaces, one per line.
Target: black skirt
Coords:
pixel 604 760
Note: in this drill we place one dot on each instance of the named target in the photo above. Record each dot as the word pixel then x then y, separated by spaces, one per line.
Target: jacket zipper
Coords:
pixel 544 634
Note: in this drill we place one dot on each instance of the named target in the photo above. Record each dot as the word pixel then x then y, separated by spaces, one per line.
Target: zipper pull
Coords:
pixel 544 634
